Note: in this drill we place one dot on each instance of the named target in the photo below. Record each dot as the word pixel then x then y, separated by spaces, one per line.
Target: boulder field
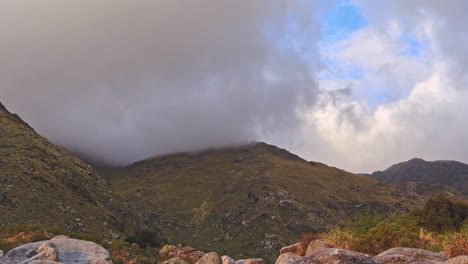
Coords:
pixel 62 249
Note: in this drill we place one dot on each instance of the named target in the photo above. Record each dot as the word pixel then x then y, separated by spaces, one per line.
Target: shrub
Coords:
pixel 442 215
pixel 145 238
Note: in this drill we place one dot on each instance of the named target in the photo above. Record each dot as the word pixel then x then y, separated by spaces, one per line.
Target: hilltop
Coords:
pixel 43 183
pixel 451 173
pixel 251 200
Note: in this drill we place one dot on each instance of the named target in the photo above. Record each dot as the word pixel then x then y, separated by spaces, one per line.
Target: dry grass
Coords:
pixel 456 244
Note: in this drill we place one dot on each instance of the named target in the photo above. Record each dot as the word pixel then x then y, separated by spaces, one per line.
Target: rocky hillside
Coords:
pixel 43 183
pixel 450 173
pixel 251 200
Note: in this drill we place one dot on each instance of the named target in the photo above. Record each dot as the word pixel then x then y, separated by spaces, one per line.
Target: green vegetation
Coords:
pixel 43 183
pixel 441 225
pixel 145 238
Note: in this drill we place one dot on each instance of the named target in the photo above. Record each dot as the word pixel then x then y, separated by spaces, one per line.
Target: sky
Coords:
pixel 356 84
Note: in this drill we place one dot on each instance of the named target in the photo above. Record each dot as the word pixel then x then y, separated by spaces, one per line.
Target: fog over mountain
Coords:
pixel 124 80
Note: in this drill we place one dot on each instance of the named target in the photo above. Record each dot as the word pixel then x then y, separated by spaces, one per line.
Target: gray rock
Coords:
pixel 1 253
pixel 31 253
pixel 457 260
pixel 45 262
pixel 69 251
pixel 210 258
pixel 317 245
pixel 287 258
pixel 335 256
pixel 409 255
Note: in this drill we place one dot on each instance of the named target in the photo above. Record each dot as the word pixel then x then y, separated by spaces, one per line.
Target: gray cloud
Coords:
pixel 124 80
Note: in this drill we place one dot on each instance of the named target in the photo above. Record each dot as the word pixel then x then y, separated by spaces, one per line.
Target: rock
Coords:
pixel 186 253
pixel 44 262
pixel 287 258
pixel 227 260
pixel 45 246
pixel 31 253
pixel 298 249
pixel 457 260
pixel 175 261
pixel 409 255
pixel 114 235
pixel 335 256
pixel 317 245
pixel 1 253
pixel 210 258
pixel 167 249
pixel 250 261
pixel 48 254
pixel 65 249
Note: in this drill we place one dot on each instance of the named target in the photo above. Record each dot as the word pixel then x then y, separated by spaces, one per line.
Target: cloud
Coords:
pixel 427 116
pixel 125 80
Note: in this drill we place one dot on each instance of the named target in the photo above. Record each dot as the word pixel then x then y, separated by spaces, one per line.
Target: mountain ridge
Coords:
pixel 228 199
pixel 448 172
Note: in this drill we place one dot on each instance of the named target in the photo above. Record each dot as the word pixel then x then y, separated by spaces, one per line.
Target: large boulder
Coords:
pixel 44 262
pixel 60 249
pixel 210 258
pixel 298 249
pixel 287 258
pixel 335 256
pixel 409 255
pixel 457 260
pixel 250 261
pixel 317 245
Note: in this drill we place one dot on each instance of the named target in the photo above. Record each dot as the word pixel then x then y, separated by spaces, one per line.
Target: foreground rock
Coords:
pixel 335 256
pixel 457 260
pixel 175 260
pixel 409 256
pixel 287 258
pixel 227 260
pixel 60 249
pixel 250 261
pixel 210 258
pixel 298 249
pixel 317 245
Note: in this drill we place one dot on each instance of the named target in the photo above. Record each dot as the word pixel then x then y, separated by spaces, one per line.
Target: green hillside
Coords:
pixel 249 201
pixel 43 183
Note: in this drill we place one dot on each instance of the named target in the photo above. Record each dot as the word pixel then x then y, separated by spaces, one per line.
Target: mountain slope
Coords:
pixel 249 201
pixel 43 183
pixel 450 173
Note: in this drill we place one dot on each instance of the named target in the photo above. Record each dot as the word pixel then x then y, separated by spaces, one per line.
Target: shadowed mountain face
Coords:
pixel 43 183
pixel 249 201
pixel 450 173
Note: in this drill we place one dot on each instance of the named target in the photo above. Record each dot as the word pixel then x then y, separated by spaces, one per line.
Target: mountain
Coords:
pixel 249 201
pixel 43 183
pixel 450 173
